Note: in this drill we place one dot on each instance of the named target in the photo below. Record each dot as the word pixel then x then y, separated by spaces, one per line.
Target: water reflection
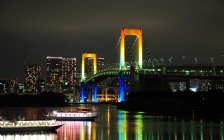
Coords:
pixel 80 130
pixel 29 136
pixel 140 126
pixel 130 126
pixel 123 125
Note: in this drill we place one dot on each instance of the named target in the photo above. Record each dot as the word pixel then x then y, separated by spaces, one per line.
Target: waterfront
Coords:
pixel 120 125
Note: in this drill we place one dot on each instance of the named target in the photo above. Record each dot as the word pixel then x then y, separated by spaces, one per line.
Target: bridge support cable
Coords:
pixel 114 50
pixel 146 48
pixel 149 58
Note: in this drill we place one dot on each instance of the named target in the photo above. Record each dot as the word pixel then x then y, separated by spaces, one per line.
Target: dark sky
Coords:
pixel 31 30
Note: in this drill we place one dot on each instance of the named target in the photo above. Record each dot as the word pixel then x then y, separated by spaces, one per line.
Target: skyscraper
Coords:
pixel 100 63
pixel 61 73
pixel 54 73
pixel 32 73
pixel 89 64
pixel 69 72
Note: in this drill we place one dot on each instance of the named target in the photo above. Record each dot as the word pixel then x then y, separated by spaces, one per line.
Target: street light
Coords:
pixel 170 60
pixel 156 61
pixel 212 60
pixel 144 63
pixel 136 64
pixel 161 59
pixel 149 61
pixel 183 57
pixel 222 59
pixel 196 60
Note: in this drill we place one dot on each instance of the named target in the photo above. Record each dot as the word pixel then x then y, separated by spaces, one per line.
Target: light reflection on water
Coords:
pixel 29 136
pixel 80 130
pixel 121 125
pixel 144 127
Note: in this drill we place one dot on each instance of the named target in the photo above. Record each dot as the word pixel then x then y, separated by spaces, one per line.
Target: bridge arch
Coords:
pixel 84 56
pixel 125 32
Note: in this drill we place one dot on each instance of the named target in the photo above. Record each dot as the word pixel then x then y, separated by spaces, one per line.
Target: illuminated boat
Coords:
pixel 80 114
pixel 29 126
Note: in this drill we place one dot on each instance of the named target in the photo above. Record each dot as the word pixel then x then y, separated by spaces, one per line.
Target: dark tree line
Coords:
pixel 178 102
pixel 43 99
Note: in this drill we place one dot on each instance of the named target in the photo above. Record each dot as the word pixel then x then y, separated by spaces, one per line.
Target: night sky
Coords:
pixel 31 30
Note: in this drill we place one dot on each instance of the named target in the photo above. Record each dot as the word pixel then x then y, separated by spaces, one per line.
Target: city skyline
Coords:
pixel 31 31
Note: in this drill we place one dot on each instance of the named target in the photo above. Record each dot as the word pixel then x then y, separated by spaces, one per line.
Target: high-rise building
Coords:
pixel 21 88
pixel 69 71
pixel 13 85
pixel 89 64
pixel 41 85
pixel 54 72
pixel 61 73
pixel 32 73
pixel 100 63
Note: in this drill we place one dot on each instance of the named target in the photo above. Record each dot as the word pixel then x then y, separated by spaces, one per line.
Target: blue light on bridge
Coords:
pixel 121 90
pixel 82 95
pixel 83 92
pixel 95 94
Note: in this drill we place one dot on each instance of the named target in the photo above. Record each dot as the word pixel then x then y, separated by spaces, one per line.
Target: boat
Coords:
pixel 28 126
pixel 80 114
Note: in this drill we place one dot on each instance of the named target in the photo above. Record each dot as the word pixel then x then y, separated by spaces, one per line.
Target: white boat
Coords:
pixel 29 126
pixel 80 114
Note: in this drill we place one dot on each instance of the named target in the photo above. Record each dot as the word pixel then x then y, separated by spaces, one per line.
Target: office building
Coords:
pixel 69 70
pixel 89 65
pixel 54 73
pixel 13 85
pixel 32 73
pixel 61 73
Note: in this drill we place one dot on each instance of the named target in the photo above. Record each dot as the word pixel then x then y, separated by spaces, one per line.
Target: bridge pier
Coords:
pixel 92 88
pixel 95 94
pixel 106 92
pixel 121 90
pixel 122 86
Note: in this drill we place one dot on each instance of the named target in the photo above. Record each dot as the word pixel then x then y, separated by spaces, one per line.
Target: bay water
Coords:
pixel 114 124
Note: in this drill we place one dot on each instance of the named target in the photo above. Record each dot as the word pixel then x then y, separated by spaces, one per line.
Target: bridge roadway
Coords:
pixel 173 72
pixel 158 78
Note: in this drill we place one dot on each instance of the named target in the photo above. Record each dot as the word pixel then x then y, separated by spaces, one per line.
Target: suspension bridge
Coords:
pixel 134 70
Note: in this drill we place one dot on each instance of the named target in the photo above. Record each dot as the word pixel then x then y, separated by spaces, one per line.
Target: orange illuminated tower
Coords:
pixel 135 32
pixel 89 64
pixel 88 55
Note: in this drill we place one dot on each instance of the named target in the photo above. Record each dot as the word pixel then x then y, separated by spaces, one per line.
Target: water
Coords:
pixel 114 124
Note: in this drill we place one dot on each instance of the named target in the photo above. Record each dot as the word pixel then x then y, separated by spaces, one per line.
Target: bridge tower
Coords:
pixel 135 32
pixel 83 86
pixel 84 56
pixel 123 78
